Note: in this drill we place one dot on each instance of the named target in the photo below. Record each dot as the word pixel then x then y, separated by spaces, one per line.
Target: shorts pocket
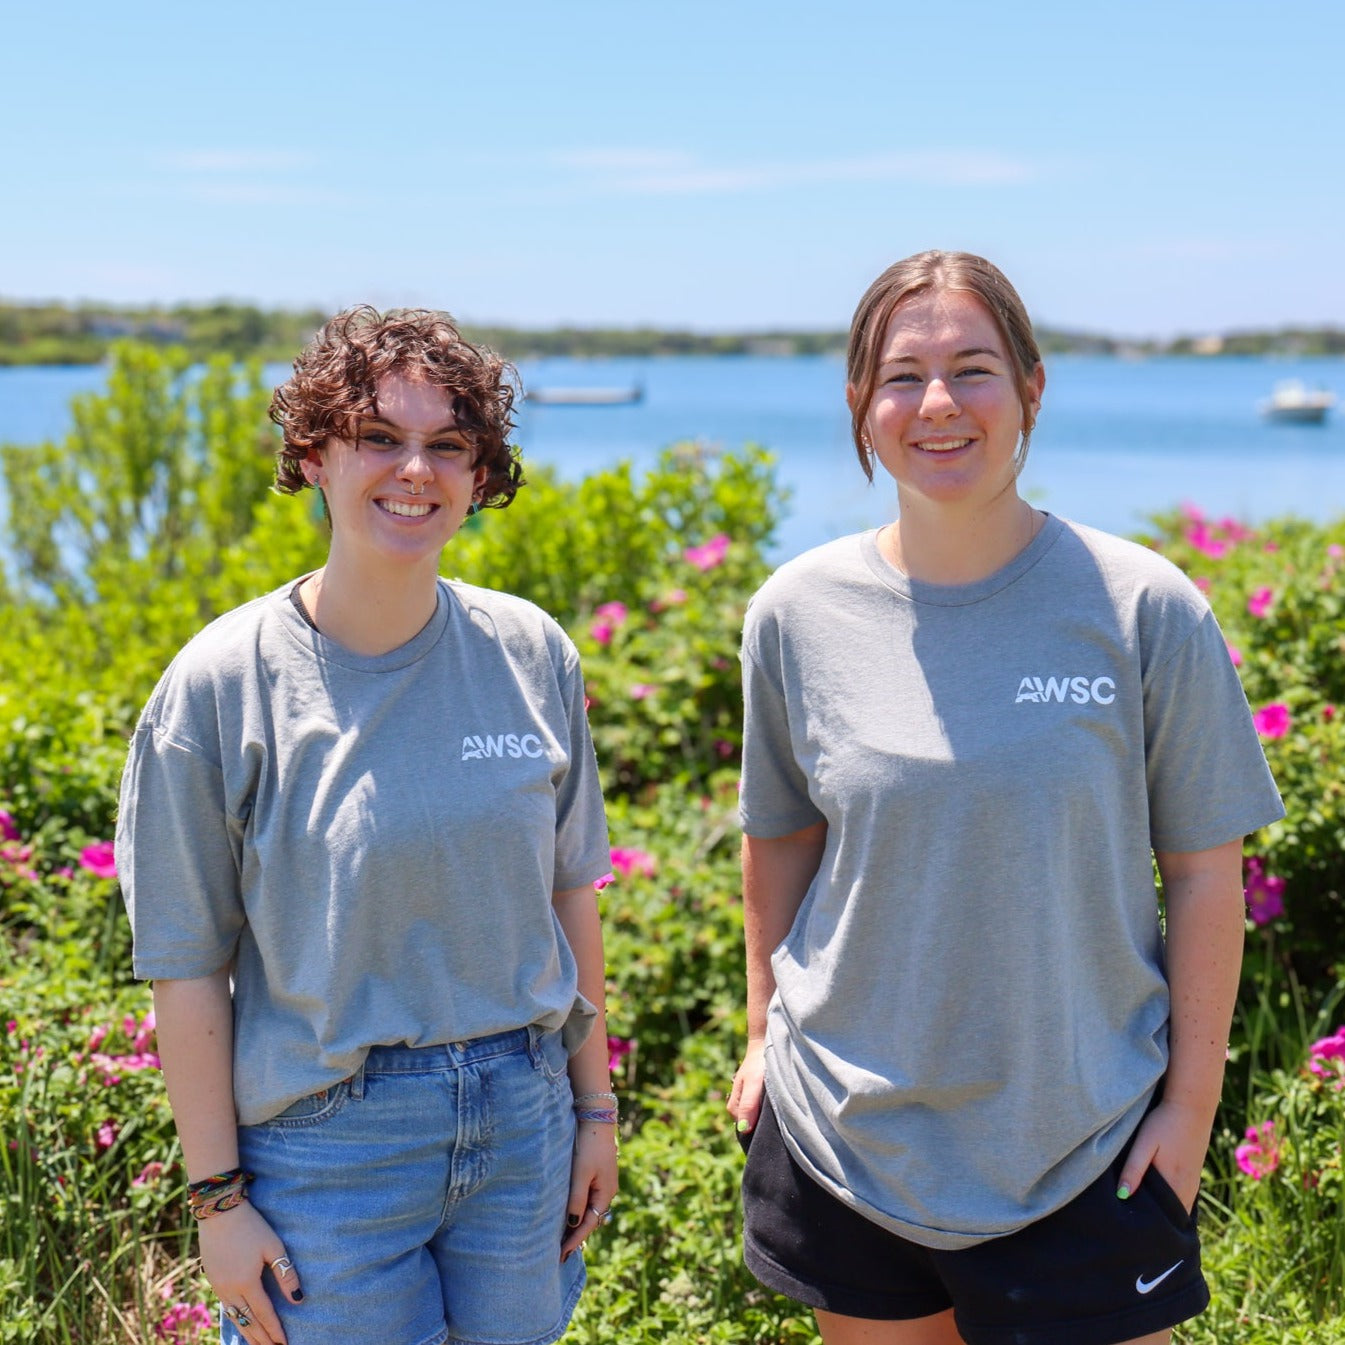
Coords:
pixel 1167 1199
pixel 314 1109
pixel 549 1056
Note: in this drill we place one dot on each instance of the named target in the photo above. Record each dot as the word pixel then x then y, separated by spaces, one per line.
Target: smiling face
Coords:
pixel 946 415
pixel 398 493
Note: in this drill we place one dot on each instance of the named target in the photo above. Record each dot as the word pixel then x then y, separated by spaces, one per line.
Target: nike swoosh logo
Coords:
pixel 1143 1286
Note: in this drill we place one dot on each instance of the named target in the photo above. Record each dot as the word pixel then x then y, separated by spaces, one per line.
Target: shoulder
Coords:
pixel 816 576
pixel 217 657
pixel 513 622
pixel 1144 589
pixel 1130 569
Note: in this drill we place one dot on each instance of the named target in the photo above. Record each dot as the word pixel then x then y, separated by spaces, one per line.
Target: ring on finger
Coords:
pixel 282 1266
pixel 603 1217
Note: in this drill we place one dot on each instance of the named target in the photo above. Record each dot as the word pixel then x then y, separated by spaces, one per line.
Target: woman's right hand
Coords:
pixel 237 1246
pixel 748 1082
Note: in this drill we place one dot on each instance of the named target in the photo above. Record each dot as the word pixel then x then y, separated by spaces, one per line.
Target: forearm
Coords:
pixel 195 1034
pixel 776 877
pixel 577 911
pixel 1205 923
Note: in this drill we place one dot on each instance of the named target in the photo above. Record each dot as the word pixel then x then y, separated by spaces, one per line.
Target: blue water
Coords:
pixel 1116 439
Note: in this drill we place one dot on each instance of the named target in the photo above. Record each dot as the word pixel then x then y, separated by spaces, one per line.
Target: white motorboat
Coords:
pixel 1294 403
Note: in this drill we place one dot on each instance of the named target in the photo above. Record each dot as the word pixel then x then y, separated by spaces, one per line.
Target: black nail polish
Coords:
pixel 298 1295
pixel 572 1220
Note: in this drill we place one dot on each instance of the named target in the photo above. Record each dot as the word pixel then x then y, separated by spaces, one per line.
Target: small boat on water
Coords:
pixel 586 396
pixel 1294 403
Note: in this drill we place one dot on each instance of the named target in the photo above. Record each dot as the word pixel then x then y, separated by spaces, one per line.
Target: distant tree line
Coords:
pixel 54 333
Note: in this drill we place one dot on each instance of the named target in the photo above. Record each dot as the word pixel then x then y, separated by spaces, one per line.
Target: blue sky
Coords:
pixel 1137 168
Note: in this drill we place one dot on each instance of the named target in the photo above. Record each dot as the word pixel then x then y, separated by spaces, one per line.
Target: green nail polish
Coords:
pixel 1123 1192
pixel 744 1126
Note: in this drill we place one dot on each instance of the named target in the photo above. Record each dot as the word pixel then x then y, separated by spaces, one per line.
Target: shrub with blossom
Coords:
pixel 1326 1057
pixel 1263 892
pixel 99 859
pixel 1273 720
pixel 184 1324
pixel 1259 1155
pixel 627 860
pixel 708 555
pixel 1260 602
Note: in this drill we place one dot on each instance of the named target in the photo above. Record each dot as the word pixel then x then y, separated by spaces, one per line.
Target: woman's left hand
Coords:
pixel 1173 1139
pixel 592 1183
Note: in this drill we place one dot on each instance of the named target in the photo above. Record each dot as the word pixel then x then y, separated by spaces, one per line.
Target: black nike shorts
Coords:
pixel 1097 1272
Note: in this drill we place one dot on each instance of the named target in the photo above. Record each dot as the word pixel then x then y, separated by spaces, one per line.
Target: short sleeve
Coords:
pixel 775 798
pixel 582 853
pixel 178 855
pixel 1207 776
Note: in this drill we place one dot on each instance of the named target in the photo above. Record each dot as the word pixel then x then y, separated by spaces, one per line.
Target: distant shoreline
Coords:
pixel 60 334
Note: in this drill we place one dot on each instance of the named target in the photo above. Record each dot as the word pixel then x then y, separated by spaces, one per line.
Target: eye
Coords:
pixel 378 439
pixel 448 447
pixel 902 377
pixel 975 371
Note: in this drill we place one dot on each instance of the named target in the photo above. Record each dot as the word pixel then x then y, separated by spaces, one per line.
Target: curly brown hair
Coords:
pixel 336 377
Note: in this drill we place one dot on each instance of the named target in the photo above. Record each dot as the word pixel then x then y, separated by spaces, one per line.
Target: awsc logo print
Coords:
pixel 478 747
pixel 1081 690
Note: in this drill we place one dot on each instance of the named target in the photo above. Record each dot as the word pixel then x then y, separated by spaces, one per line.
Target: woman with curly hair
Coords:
pixel 360 823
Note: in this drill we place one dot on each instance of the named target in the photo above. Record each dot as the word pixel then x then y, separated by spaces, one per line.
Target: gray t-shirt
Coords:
pixel 971 1010
pixel 375 840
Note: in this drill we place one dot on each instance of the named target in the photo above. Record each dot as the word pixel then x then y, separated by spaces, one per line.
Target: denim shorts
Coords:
pixel 423 1199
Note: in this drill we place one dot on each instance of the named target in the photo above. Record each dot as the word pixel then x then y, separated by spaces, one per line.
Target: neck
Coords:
pixel 940 547
pixel 366 613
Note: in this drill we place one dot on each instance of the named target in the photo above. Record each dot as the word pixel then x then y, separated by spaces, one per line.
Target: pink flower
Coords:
pixel 642 691
pixel 607 619
pixel 612 611
pixel 1193 512
pixel 1202 537
pixel 107 1134
pixel 1328 712
pixel 11 1027
pixel 1235 654
pixel 1264 893
pixel 1260 1156
pixel 1235 531
pixel 1259 603
pixel 144 1034
pixel 1273 720
pixel 97 1037
pixel 618 1048
pixel 723 748
pixel 709 554
pixel 8 830
pixel 605 881
pixel 674 598
pixel 1331 1049
pixel 1202 582
pixel 99 860
pixel 1335 551
pixel 184 1324
pixel 149 1174
pixel 627 860
pixel 602 631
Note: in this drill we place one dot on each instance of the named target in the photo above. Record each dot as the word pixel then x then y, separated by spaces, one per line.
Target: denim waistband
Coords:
pixel 404 1059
